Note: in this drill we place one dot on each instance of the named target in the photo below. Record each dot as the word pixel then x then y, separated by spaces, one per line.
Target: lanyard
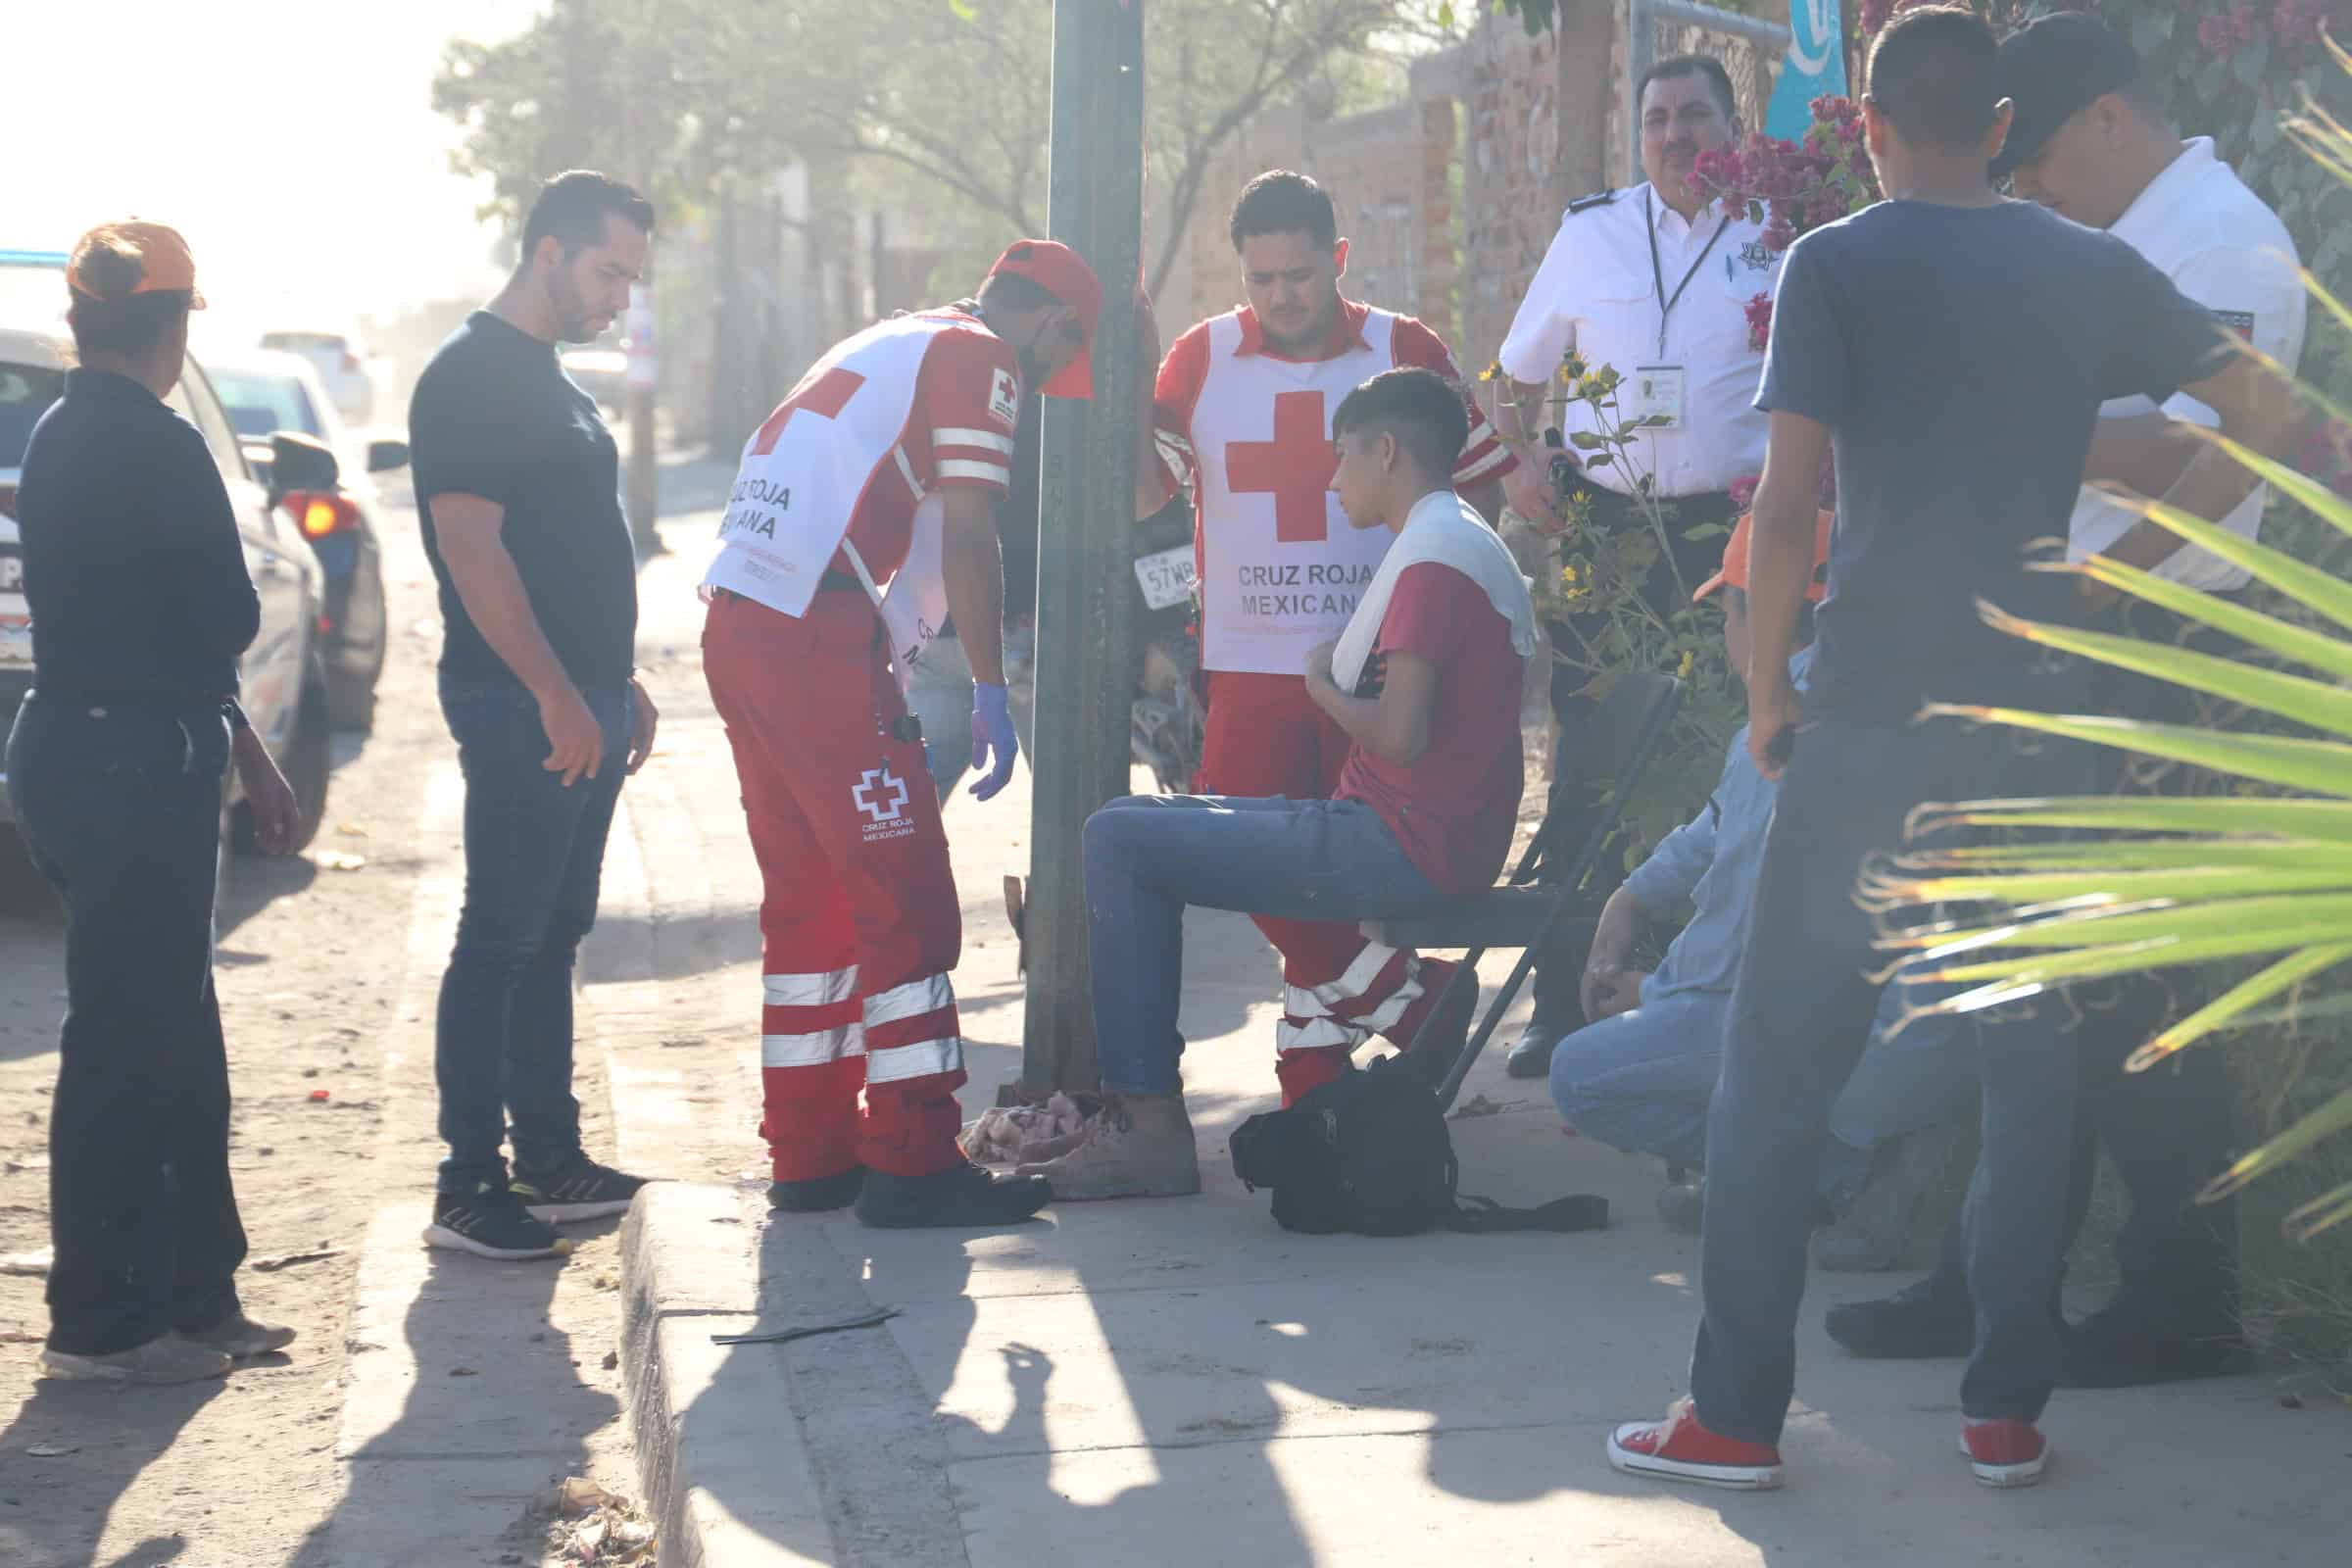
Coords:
pixel 1657 273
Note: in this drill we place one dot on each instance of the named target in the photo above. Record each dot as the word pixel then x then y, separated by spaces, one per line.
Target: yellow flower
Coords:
pixel 1683 670
pixel 1491 372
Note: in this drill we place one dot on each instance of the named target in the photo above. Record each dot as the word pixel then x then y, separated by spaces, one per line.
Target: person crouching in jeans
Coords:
pixel 1425 682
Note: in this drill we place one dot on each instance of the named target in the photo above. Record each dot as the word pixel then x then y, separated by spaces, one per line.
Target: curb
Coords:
pixel 720 1452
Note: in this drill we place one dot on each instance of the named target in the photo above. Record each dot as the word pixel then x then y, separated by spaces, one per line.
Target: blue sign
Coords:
pixel 1814 65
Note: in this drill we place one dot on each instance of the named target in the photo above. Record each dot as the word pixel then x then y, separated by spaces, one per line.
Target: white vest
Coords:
pixel 1261 438
pixel 806 471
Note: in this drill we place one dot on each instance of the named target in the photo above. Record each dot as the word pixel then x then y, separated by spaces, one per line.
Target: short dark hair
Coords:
pixel 106 316
pixel 572 207
pixel 1675 66
pixel 1421 409
pixel 1010 291
pixel 1281 202
pixel 1935 72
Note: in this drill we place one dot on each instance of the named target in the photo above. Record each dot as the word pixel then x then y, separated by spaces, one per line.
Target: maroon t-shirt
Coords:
pixel 1453 810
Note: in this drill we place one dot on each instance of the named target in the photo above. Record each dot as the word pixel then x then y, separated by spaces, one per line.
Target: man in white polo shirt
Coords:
pixel 2091 141
pixel 1655 283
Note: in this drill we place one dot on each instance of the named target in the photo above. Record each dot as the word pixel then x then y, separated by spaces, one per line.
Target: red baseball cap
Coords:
pixel 1734 562
pixel 1060 271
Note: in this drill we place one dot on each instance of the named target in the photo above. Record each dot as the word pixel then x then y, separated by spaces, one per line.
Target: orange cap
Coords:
pixel 166 265
pixel 1061 273
pixel 1734 562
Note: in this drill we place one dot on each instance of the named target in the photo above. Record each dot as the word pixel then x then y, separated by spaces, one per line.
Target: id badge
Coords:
pixel 1656 391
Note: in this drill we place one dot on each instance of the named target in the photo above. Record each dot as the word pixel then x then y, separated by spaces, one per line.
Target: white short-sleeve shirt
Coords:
pixel 1597 293
pixel 2199 224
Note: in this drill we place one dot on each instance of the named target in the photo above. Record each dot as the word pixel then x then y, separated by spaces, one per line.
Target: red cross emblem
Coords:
pixel 826 396
pixel 1295 467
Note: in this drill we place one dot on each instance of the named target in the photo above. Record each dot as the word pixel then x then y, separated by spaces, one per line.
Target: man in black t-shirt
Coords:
pixel 517 490
pixel 1952 348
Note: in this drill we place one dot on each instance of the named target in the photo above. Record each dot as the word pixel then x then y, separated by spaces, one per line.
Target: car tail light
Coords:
pixel 320 514
pixel 8 500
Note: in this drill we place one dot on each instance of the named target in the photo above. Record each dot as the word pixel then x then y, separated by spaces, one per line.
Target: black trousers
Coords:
pixel 1667 589
pixel 119 807
pixel 2169 1130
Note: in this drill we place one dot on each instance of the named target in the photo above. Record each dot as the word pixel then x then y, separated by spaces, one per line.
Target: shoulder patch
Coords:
pixel 1600 198
pixel 2240 322
pixel 1005 397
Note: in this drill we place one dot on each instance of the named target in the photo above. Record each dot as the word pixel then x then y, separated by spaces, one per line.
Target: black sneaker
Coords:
pixel 818 1194
pixel 579 1189
pixel 1925 1321
pixel 2118 1349
pixel 962 1196
pixel 491 1223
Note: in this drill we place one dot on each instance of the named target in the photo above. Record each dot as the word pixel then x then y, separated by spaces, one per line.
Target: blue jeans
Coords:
pixel 534 854
pixel 1801 1010
pixel 941 696
pixel 1150 855
pixel 119 807
pixel 1643 1080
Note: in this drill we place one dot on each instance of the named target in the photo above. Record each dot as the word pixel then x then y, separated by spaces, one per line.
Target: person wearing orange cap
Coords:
pixel 1640 1075
pixel 134 572
pixel 862 518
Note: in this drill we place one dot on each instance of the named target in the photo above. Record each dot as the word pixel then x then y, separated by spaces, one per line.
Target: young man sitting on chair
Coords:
pixel 1425 681
pixel 1639 1077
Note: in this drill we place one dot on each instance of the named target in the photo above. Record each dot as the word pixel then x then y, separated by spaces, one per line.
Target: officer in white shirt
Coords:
pixel 1655 283
pixel 2089 139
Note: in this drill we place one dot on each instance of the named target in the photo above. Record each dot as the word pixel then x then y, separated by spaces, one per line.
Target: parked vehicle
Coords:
pixel 266 393
pixel 1168 722
pixel 283 680
pixel 342 367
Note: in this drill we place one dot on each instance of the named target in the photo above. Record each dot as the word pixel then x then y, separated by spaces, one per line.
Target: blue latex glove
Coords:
pixel 992 736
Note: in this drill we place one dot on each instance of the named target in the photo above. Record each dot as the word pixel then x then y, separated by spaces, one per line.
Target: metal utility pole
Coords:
pixel 1086 545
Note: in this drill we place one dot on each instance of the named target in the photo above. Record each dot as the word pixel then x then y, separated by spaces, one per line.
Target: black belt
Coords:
pixel 830 582
pixel 166 702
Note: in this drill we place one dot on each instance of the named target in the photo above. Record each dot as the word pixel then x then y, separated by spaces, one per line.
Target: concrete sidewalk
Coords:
pixel 1182 1382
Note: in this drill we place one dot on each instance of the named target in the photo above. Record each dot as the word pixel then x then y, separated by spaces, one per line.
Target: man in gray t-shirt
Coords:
pixel 1952 348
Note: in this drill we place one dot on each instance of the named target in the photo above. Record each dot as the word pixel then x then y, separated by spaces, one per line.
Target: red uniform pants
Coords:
pixel 859 919
pixel 1268 737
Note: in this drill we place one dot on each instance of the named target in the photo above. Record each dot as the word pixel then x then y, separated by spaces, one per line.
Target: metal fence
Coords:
pixel 1748 47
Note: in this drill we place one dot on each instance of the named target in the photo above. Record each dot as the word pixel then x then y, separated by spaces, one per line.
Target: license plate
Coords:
pixel 1166 577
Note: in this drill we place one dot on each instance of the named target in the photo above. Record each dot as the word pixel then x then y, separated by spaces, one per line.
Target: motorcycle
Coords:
pixel 1168 720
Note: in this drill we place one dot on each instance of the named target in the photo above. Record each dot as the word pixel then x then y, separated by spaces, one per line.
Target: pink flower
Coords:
pixel 1759 320
pixel 1744 492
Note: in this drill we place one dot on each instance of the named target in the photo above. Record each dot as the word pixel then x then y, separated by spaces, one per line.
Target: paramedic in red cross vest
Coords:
pixel 1243 409
pixel 863 516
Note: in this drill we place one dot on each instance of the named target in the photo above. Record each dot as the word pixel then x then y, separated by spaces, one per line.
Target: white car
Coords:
pixel 341 364
pixel 282 677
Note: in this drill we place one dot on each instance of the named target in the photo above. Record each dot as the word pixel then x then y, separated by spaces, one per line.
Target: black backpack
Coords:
pixel 1369 1152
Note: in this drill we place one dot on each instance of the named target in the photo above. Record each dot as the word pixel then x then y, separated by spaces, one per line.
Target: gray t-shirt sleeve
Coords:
pixel 2159 339
pixel 1806 369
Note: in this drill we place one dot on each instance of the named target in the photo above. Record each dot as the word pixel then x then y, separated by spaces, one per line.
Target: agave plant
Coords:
pixel 2262 876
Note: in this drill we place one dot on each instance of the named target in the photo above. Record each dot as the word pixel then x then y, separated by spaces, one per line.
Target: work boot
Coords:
pixel 1438 1044
pixel 1531 1056
pixel 1140 1146
pixel 166 1359
pixel 1925 1321
pixel 1874 1232
pixel 962 1196
pixel 237 1336
pixel 818 1194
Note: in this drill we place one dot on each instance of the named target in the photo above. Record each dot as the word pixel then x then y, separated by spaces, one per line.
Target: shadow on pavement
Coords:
pixel 109 1430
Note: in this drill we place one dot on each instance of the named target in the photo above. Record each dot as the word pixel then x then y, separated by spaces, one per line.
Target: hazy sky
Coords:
pixel 293 142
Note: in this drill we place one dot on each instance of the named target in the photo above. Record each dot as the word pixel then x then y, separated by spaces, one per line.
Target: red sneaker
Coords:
pixel 1679 1448
pixel 2004 1453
